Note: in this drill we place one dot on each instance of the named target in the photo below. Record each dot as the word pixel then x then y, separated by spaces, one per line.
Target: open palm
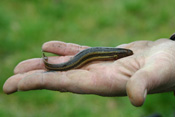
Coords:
pixel 149 70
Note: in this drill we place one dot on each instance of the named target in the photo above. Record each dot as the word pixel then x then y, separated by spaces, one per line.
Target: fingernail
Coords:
pixel 145 93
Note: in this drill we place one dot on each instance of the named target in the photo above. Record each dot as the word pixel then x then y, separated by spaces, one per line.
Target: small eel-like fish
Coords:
pixel 87 55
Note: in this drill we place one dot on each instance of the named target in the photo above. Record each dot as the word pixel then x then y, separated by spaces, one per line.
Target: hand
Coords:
pixel 149 70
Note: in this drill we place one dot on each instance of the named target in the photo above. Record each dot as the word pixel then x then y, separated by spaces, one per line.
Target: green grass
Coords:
pixel 26 24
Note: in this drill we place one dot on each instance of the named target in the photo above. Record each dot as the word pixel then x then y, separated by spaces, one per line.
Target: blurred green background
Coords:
pixel 26 24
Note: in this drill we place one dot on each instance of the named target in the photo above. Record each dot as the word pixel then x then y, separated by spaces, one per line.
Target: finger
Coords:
pixel 28 65
pixel 71 81
pixel 62 48
pixel 146 80
pixel 10 86
pixel 76 81
pixel 137 88
pixel 37 63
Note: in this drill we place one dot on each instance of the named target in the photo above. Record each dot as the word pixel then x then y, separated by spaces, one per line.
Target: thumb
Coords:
pixel 137 87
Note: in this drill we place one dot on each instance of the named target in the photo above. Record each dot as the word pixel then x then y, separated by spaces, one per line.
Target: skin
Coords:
pixel 149 70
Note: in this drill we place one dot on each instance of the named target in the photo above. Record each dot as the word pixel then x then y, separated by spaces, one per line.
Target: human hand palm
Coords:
pixel 150 70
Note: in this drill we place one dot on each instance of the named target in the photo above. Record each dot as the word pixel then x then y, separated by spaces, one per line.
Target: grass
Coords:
pixel 26 25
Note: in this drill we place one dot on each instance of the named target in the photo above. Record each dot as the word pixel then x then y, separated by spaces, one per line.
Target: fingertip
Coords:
pixel 6 89
pixel 29 65
pixel 137 100
pixel 47 45
pixel 16 69
pixel 44 46
pixel 52 46
pixel 9 86
pixel 136 93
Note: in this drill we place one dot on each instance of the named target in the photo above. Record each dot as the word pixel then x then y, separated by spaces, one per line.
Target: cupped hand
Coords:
pixel 149 70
